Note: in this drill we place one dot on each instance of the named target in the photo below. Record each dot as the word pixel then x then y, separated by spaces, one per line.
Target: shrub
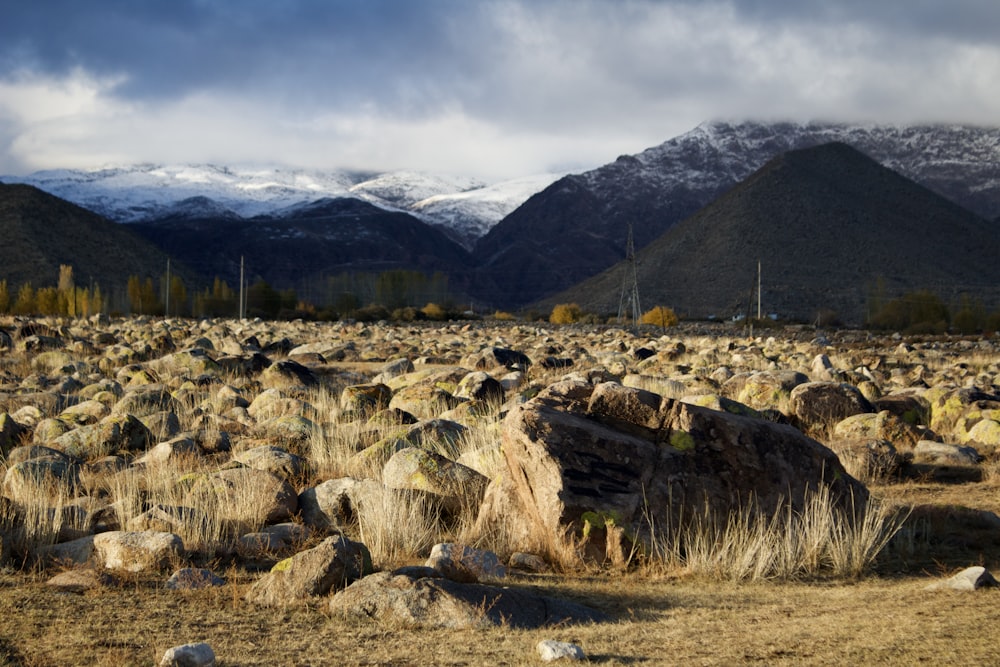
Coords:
pixel 503 316
pixel 566 313
pixel 660 316
pixel 915 312
pixel 433 311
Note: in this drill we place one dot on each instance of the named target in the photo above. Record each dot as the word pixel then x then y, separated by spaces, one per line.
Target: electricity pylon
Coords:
pixel 630 284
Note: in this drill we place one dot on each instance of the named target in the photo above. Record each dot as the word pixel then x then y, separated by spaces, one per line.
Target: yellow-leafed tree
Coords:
pixel 660 316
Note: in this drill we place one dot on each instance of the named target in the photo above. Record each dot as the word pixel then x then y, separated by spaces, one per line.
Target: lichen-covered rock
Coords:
pixel 570 465
pixel 333 564
pixel 112 435
pixel 480 386
pixel 882 425
pixel 817 406
pixel 763 390
pixel 366 398
pixel 416 469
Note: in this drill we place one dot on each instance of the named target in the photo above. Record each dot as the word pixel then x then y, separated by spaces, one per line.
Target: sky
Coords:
pixel 494 89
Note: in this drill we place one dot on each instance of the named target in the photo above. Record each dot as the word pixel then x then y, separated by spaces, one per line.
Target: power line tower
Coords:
pixel 630 284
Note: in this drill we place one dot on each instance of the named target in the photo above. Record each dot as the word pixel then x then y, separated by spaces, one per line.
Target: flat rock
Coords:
pixel 397 597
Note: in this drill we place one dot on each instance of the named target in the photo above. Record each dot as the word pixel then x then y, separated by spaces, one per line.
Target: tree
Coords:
pixel 660 316
pixel 4 297
pixel 48 301
pixel 263 300
pixel 178 296
pixel 25 303
pixel 67 291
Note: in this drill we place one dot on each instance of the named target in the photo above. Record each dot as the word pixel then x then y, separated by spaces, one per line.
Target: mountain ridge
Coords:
pixel 828 224
pixel 462 207
pixel 659 187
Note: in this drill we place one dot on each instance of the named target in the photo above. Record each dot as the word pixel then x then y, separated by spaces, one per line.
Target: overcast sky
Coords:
pixel 494 89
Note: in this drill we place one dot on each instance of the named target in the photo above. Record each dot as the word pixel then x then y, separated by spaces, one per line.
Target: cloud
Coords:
pixel 495 89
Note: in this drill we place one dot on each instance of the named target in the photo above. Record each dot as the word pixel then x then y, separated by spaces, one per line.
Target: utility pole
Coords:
pixel 166 308
pixel 630 283
pixel 758 290
pixel 241 289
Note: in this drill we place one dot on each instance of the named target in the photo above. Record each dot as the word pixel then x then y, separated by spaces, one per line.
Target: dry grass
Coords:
pixel 786 589
pixel 657 621
pixel 824 539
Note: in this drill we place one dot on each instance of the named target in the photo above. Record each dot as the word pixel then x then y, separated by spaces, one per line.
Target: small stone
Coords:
pixel 189 655
pixel 530 562
pixel 551 650
pixel 191 578
pixel 465 564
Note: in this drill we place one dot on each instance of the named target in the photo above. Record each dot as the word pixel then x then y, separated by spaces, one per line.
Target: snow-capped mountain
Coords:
pixel 532 253
pixel 146 192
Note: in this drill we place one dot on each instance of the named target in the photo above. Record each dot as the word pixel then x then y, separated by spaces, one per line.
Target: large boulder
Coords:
pixel 137 551
pixel 416 469
pixel 333 564
pixel 288 375
pixel 11 433
pixel 245 496
pixel 419 596
pixel 627 458
pixel 818 406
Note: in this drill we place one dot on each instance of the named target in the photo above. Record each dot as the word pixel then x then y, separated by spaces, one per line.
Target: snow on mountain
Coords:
pixel 403 189
pixel 723 152
pixel 141 192
pixel 462 207
pixel 467 216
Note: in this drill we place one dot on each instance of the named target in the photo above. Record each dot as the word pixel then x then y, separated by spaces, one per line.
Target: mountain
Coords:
pixel 302 245
pixel 39 232
pixel 829 226
pixel 578 226
pixel 464 208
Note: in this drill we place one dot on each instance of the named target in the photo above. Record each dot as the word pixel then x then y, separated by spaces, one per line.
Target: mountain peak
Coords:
pixel 827 223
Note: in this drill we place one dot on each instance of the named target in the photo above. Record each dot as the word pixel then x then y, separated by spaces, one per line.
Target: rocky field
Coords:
pixel 301 493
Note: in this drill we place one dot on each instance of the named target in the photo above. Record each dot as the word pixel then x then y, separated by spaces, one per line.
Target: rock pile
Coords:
pixel 144 445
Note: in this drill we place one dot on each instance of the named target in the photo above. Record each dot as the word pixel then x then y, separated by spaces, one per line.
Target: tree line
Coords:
pixel 401 294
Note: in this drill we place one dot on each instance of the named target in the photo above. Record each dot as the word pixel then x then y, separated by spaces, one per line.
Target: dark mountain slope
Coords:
pixel 826 223
pixel 579 225
pixel 39 232
pixel 304 244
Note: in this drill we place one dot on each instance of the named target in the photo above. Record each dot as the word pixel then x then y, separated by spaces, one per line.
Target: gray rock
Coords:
pixel 569 465
pixel 944 453
pixel 416 469
pixel 273 459
pixel 549 650
pixel 412 599
pixel 465 564
pixel 817 406
pixel 192 578
pixel 333 564
pixel 189 655
pixel 969 579
pixel 137 551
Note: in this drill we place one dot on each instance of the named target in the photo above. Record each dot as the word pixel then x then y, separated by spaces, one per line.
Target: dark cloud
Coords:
pixel 498 84
pixel 321 50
